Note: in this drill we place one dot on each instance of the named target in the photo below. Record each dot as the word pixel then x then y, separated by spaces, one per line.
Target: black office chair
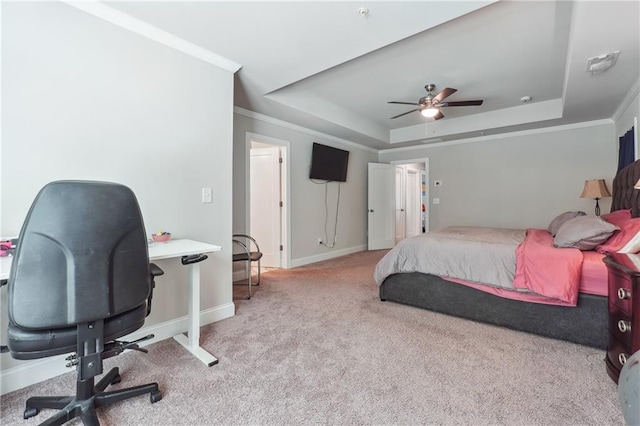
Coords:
pixel 80 279
pixel 249 252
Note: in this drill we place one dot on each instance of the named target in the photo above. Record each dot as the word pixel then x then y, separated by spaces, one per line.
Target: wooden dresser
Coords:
pixel 624 310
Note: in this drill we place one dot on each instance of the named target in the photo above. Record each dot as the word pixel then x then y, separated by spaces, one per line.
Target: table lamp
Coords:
pixel 595 188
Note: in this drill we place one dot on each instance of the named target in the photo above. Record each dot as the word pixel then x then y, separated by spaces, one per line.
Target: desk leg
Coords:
pixel 192 343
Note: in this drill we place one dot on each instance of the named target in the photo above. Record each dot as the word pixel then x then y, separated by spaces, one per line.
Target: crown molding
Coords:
pixel 128 22
pixel 503 135
pixel 281 123
pixel 626 102
pixel 291 126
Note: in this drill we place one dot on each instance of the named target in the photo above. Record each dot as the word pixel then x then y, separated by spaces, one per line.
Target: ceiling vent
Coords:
pixel 599 64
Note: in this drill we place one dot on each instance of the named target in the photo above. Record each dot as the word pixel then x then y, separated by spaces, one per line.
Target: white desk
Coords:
pixel 171 249
pixel 179 248
pixel 5 267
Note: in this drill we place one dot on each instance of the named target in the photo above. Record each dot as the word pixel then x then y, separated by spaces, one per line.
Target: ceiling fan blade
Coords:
pixel 460 103
pixel 405 113
pixel 402 103
pixel 438 116
pixel 445 93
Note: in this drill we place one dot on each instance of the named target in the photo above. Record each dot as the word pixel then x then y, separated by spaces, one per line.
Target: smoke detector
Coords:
pixel 599 64
pixel 363 12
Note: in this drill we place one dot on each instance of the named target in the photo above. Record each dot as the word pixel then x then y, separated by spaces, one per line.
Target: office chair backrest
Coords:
pixel 82 255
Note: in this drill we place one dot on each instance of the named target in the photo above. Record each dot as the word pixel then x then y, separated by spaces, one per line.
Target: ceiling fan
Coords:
pixel 430 105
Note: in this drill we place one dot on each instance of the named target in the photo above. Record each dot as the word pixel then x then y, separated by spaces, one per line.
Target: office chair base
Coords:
pixel 87 399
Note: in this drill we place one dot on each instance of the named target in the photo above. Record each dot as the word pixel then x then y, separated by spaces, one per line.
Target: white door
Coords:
pixel 381 206
pixel 413 204
pixel 400 204
pixel 265 200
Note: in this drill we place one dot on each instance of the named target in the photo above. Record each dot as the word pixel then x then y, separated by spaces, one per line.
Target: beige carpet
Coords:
pixel 316 346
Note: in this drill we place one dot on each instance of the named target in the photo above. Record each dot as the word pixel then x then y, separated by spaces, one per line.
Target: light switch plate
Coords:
pixel 206 195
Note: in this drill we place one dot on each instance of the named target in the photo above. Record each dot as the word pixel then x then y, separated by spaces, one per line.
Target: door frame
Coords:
pixel 415 218
pixel 285 190
pixel 425 161
pixel 401 205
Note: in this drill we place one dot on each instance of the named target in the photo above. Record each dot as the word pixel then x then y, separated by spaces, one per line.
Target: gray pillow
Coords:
pixel 584 232
pixel 557 222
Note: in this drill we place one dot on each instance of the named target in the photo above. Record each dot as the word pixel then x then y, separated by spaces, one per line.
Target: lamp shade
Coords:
pixel 595 188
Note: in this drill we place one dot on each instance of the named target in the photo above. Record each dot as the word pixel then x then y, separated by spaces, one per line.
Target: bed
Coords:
pixel 582 317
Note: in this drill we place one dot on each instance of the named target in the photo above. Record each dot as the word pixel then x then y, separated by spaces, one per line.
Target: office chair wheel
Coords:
pixel 30 412
pixel 155 396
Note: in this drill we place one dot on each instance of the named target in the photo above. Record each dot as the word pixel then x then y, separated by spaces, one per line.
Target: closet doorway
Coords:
pixel 411 198
pixel 397 202
pixel 267 198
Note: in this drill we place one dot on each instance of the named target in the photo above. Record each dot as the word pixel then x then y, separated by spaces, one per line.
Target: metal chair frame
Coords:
pixel 247 255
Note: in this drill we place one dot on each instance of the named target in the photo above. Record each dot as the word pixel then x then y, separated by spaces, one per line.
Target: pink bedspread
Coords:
pixel 546 270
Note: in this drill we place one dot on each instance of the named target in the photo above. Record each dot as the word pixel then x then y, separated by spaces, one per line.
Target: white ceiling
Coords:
pixel 322 65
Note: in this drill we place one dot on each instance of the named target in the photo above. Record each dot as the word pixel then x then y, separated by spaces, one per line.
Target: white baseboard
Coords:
pixel 326 256
pixel 239 276
pixel 38 370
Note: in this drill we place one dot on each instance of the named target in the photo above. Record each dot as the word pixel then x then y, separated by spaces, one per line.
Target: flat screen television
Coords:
pixel 328 163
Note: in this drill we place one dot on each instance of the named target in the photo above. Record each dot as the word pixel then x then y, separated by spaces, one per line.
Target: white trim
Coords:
pixel 503 135
pixel 626 102
pixel 286 124
pixel 281 123
pixel 137 26
pixel 239 275
pixel 636 141
pixel 326 256
pixel 32 372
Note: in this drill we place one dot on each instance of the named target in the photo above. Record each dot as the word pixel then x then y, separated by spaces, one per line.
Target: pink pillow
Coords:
pixel 618 217
pixel 627 240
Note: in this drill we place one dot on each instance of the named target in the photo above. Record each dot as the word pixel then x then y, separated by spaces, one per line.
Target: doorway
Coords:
pixel 267 198
pixel 412 195
pixel 397 202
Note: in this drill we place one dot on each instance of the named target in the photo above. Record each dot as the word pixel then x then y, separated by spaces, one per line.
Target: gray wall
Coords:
pixel 516 181
pixel 307 198
pixel 84 99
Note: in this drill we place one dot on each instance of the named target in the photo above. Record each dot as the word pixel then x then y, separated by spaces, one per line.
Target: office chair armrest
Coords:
pixel 4 349
pixel 155 270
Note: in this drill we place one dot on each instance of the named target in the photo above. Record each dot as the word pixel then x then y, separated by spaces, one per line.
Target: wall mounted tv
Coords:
pixel 328 163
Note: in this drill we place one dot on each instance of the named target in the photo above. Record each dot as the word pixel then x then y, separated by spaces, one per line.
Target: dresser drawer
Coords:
pixel 621 325
pixel 620 292
pixel 624 310
pixel 617 352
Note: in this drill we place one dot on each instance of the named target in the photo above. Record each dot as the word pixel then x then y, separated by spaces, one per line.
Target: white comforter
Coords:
pixel 483 255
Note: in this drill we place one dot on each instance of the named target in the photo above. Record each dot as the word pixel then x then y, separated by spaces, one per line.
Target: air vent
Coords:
pixel 599 64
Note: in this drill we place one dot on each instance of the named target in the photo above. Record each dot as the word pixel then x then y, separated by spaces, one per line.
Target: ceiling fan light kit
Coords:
pixel 429 106
pixel 429 112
